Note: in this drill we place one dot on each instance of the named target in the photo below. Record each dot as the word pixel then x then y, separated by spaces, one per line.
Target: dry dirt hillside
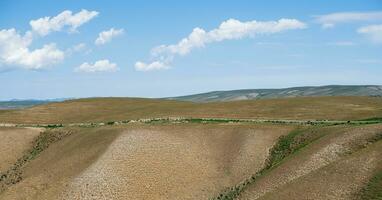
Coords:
pixel 13 143
pixel 194 159
pixel 335 166
pixel 146 162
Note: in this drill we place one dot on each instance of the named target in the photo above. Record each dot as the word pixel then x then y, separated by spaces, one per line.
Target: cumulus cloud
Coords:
pixel 14 50
pixel 231 29
pixel 99 66
pixel 106 36
pixel 330 20
pixel 228 30
pixel 374 32
pixel 45 25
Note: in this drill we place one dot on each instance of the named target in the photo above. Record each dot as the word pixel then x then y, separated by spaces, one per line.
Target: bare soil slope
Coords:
pixel 45 176
pixel 147 162
pixel 178 160
pixel 13 143
pixel 335 166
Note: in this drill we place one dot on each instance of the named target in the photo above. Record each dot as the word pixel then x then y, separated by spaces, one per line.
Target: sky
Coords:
pixel 73 49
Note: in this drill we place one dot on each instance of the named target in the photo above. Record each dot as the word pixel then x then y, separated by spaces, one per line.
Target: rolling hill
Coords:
pixel 25 103
pixel 118 109
pixel 226 159
pixel 248 94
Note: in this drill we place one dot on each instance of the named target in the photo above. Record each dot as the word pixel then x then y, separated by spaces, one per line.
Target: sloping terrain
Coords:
pixel 147 162
pixel 335 166
pixel 18 104
pixel 46 175
pixel 13 143
pixel 194 158
pixel 248 94
pixel 117 109
pixel 339 180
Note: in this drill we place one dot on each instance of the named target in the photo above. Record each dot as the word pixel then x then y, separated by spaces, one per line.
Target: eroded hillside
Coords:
pixel 176 161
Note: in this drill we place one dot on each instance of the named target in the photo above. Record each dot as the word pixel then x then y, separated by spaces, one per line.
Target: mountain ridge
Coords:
pixel 302 91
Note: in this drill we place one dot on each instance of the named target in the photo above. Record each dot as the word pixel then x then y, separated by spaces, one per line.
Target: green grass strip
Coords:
pixel 285 146
pixel 42 142
pixel 373 189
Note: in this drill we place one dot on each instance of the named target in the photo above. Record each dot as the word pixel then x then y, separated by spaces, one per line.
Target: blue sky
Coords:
pixel 239 44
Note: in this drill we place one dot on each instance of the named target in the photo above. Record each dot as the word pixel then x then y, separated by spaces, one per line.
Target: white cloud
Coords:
pixel 99 66
pixel 14 50
pixel 156 65
pixel 374 32
pixel 369 61
pixel 228 30
pixel 78 48
pixel 106 36
pixel 330 20
pixel 342 43
pixel 45 25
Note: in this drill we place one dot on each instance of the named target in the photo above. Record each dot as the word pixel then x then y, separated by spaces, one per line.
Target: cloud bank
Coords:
pixel 106 36
pixel 231 29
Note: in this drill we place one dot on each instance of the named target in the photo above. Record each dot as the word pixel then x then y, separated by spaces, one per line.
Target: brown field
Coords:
pixel 166 160
pixel 117 109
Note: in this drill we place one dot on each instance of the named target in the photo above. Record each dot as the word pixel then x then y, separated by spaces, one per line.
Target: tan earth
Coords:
pixel 118 109
pixel 185 161
pixel 13 143
pixel 323 166
pixel 195 160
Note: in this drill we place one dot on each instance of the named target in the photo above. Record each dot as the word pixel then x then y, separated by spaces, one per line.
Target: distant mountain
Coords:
pixel 329 90
pixel 24 103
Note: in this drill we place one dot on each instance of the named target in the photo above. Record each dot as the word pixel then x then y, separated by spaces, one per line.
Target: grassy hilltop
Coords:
pixel 116 109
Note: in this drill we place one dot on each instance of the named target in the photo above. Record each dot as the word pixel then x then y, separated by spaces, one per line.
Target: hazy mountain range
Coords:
pixel 246 94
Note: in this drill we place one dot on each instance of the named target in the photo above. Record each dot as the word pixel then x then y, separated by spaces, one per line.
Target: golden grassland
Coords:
pixel 117 109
